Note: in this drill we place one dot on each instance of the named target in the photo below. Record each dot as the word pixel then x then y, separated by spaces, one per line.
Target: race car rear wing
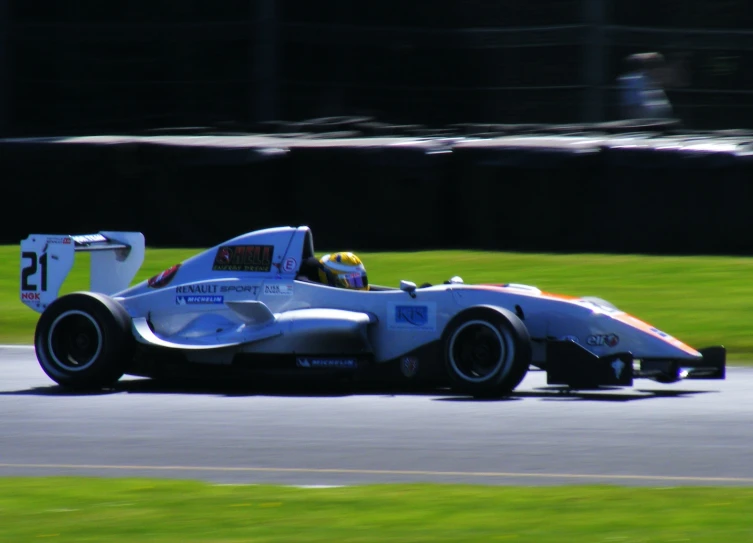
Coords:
pixel 47 259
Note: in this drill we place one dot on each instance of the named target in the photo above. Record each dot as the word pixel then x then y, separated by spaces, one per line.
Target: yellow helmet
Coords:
pixel 344 270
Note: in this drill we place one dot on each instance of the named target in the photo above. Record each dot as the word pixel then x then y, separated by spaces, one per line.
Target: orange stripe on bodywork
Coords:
pixel 559 296
pixel 645 327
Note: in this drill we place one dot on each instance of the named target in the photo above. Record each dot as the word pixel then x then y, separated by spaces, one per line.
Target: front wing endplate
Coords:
pixel 568 363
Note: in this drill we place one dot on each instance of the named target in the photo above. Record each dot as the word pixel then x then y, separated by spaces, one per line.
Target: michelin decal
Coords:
pixel 191 300
pixel 310 362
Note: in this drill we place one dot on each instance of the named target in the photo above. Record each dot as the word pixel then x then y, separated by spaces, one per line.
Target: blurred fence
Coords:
pixel 79 67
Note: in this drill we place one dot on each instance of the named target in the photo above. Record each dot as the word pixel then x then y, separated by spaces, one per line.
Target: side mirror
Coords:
pixel 409 287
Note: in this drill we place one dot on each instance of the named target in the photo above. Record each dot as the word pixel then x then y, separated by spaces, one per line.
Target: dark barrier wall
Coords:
pixel 375 197
pixel 683 201
pixel 387 197
pixel 526 199
pixel 175 195
pixel 610 200
pixel 378 197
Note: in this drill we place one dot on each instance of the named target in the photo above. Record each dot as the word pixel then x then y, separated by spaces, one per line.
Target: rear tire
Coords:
pixel 487 351
pixel 83 341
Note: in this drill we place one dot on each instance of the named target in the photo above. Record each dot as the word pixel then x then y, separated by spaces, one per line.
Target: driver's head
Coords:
pixel 344 270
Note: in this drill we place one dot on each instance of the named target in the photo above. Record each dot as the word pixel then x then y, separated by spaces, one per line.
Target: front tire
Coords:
pixel 487 351
pixel 83 341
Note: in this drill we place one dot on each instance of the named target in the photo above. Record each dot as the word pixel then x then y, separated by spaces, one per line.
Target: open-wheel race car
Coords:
pixel 249 304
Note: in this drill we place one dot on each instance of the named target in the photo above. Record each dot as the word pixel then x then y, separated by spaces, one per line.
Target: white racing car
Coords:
pixel 246 305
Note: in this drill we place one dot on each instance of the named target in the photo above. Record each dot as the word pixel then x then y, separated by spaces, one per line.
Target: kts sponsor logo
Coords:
pixel 604 340
pixel 348 363
pixel 191 300
pixel 281 289
pixel 415 315
pixel 412 316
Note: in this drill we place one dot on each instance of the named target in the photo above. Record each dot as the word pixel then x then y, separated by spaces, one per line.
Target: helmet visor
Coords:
pixel 356 280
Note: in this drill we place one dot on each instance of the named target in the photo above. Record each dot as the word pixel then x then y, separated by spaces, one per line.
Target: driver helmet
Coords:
pixel 344 270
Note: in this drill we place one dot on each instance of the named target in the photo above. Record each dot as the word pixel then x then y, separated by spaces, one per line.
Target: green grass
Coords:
pixel 128 510
pixel 700 300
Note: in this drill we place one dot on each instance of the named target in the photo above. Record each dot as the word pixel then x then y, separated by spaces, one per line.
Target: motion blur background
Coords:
pixel 80 67
pixel 481 103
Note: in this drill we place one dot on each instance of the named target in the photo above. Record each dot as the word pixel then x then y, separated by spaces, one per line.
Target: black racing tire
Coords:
pixel 487 351
pixel 83 341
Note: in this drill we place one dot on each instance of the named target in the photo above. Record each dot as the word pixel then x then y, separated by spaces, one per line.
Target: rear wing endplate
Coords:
pixel 47 259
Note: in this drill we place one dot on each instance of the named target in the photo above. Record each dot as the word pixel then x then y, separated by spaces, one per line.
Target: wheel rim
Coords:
pixel 478 351
pixel 74 340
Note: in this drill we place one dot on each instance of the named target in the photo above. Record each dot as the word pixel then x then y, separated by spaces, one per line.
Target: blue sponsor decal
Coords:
pixel 189 300
pixel 414 315
pixel 660 333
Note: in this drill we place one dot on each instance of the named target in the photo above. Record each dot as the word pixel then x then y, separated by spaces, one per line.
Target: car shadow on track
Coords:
pixel 328 390
pixel 304 389
pixel 563 395
pixel 605 394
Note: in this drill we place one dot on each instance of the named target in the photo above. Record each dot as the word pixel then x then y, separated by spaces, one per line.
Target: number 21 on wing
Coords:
pixel 34 271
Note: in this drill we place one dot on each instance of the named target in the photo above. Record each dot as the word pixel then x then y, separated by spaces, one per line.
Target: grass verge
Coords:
pixel 114 510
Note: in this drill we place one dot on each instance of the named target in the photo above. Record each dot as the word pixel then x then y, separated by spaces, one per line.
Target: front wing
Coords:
pixel 569 363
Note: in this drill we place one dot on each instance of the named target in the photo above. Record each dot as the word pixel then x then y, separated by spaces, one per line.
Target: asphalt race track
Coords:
pixel 690 433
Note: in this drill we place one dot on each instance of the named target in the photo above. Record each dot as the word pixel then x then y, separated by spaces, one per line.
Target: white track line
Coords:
pixel 392 472
pixel 308 487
